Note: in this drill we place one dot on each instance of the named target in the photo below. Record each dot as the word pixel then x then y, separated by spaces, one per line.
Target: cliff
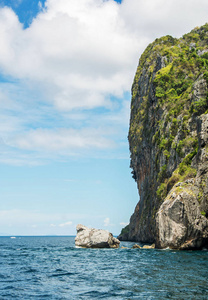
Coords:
pixel 168 139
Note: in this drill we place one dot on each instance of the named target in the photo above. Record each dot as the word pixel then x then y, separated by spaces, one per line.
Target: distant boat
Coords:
pixel 12 237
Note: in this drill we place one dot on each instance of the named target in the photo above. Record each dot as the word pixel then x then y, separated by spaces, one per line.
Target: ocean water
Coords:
pixel 52 268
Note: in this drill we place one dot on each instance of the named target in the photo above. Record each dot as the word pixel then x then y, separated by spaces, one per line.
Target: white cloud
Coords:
pixel 124 223
pixel 40 5
pixel 155 18
pixel 24 220
pixel 19 216
pixel 62 139
pixel 36 222
pixel 69 223
pixel 107 222
pixel 79 51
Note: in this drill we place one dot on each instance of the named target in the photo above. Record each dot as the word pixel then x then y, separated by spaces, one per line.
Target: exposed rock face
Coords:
pixel 179 221
pixel 95 238
pixel 168 140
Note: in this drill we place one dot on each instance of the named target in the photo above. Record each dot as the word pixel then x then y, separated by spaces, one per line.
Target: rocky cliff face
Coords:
pixel 168 140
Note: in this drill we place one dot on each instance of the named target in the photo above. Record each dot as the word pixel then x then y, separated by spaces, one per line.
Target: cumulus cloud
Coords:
pixel 78 51
pixel 154 18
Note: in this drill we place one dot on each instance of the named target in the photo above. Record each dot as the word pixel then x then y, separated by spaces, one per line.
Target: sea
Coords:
pixel 53 268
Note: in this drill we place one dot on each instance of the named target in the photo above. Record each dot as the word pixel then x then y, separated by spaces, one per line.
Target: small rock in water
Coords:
pixel 95 238
pixel 144 247
pixel 136 246
pixel 149 247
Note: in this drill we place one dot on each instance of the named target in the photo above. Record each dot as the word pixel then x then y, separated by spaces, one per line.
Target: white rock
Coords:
pixel 95 238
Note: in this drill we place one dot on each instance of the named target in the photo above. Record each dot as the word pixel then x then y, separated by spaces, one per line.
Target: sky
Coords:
pixel 66 70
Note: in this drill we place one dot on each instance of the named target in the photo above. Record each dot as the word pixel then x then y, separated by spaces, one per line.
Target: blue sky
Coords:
pixel 66 69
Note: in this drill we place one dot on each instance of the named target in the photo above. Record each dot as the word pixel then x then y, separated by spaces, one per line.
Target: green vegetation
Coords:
pixel 162 173
pixel 201 189
pixel 184 167
pixel 179 148
pixel 183 172
pixel 162 191
pixel 174 83
pixel 125 230
pixel 199 107
pixel 200 195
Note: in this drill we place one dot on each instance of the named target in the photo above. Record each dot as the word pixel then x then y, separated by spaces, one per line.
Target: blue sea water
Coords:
pixel 52 268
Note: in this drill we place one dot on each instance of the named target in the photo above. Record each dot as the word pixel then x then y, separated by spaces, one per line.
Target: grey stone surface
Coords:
pixel 180 223
pixel 95 238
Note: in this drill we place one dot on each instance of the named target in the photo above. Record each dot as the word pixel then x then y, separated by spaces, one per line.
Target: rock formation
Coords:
pixel 95 238
pixel 168 138
pixel 144 247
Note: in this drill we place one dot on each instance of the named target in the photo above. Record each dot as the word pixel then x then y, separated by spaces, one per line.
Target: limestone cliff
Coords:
pixel 168 140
